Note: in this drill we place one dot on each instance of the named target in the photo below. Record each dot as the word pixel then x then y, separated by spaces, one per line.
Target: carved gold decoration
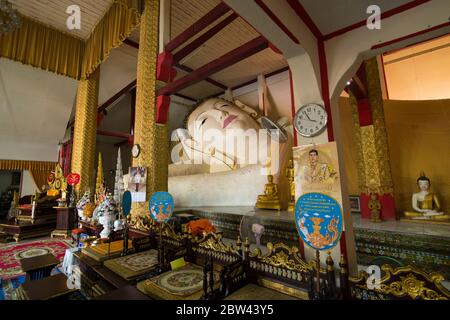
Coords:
pixel 85 132
pixel 380 135
pixel 358 144
pixel 406 282
pixel 145 118
pixel 374 170
pixel 370 158
pixel 281 255
pixel 99 183
pixel 214 242
pixel 290 175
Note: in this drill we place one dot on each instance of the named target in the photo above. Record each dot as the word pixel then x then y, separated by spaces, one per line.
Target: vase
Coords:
pixel 81 214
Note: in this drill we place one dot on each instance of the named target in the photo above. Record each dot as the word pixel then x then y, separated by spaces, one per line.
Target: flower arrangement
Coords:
pixel 85 199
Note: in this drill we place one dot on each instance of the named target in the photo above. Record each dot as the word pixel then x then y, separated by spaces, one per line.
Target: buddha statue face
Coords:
pixel 215 124
pixel 220 115
pixel 423 184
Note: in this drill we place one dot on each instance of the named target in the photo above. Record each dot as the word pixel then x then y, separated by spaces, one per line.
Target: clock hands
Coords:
pixel 308 117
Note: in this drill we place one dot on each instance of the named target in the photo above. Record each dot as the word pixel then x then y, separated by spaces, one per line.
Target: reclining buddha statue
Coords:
pixel 426 203
pixel 223 156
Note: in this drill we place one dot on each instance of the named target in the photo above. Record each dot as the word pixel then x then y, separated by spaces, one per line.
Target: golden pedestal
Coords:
pixel 269 204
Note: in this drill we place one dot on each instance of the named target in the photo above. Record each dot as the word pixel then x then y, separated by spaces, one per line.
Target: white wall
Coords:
pixel 420 72
pixel 28 186
pixel 35 106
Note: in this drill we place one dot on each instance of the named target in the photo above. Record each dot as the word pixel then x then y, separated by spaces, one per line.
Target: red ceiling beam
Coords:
pixel 304 16
pixel 209 80
pixel 185 51
pixel 384 15
pixel 110 101
pixel 250 48
pixel 117 96
pixel 198 26
pixel 131 43
pixel 183 68
pixel 412 35
pixel 114 134
pixel 121 143
pixel 277 21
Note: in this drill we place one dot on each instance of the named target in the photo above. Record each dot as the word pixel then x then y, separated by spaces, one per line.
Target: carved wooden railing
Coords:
pixel 403 283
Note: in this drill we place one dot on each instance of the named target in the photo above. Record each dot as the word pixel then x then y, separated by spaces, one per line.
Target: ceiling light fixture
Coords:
pixel 10 18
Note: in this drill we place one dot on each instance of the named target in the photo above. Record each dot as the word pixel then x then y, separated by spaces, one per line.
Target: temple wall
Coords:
pixel 418 135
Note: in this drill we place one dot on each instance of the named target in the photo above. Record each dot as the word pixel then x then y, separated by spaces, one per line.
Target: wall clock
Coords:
pixel 136 150
pixel 310 120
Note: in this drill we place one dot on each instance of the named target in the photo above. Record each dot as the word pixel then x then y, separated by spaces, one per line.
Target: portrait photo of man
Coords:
pixel 137 183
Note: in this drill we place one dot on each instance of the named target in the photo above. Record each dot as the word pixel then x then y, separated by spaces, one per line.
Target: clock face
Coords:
pixel 136 150
pixel 310 120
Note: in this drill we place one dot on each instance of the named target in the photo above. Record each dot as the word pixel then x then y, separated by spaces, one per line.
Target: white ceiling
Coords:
pixel 35 106
pixel 338 14
pixel 53 13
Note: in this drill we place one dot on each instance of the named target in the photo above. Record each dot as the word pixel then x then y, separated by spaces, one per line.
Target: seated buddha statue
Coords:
pixel 270 199
pixel 425 203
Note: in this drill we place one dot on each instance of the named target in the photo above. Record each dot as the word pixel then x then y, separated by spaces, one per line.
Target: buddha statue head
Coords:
pixel 212 129
pixel 423 182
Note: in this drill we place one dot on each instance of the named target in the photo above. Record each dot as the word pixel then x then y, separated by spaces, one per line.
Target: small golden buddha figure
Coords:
pixel 270 199
pixel 374 207
pixel 290 176
pixel 425 203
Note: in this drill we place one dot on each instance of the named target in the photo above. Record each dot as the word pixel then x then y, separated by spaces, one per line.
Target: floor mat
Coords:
pixel 11 254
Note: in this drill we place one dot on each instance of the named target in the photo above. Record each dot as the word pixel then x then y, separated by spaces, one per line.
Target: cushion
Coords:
pixel 185 283
pixel 134 265
pixel 198 227
pixel 104 251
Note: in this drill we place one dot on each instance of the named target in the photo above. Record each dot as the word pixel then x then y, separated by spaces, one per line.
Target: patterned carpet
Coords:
pixel 10 254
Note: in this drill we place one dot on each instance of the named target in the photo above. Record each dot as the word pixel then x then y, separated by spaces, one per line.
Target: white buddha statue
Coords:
pixel 425 203
pixel 223 157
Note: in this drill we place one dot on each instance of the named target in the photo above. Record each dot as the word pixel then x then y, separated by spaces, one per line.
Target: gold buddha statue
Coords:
pixel 290 175
pixel 425 203
pixel 270 199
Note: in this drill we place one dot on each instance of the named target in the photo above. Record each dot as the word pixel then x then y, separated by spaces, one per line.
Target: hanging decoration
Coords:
pixel 10 18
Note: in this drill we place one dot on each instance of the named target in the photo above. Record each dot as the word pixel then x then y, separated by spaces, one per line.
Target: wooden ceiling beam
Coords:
pixel 209 80
pixel 198 26
pixel 114 134
pixel 188 49
pixel 111 100
pixel 250 48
